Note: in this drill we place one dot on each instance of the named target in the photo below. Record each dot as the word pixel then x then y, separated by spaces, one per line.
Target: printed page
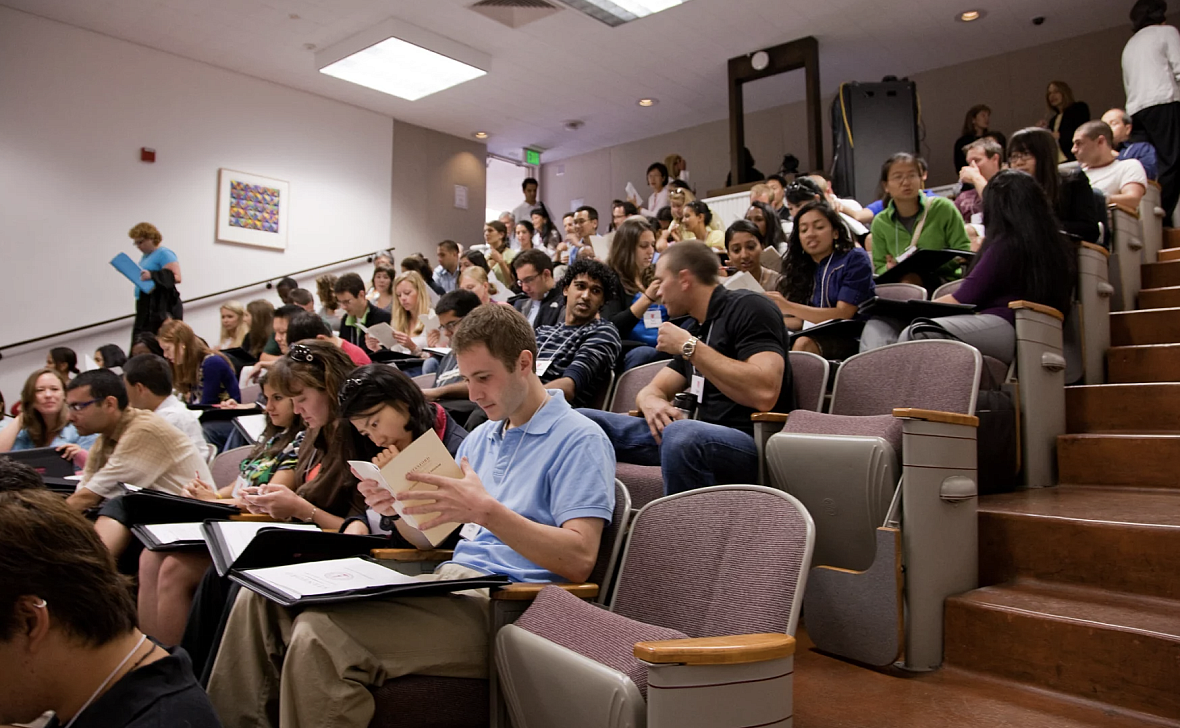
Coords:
pixel 239 534
pixel 427 454
pixel 328 577
pixel 383 332
pixel 742 281
pixel 252 425
pixel 166 533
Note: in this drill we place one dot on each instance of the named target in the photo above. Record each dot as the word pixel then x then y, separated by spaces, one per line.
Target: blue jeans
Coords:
pixel 693 454
pixel 641 355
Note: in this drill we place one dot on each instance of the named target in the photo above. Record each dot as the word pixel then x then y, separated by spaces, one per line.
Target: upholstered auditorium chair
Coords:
pixel 700 630
pixel 901 291
pixel 890 478
pixel 809 373
pixel 425 701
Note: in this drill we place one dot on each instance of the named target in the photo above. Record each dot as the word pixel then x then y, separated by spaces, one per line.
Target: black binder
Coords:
pixel 210 413
pixel 907 311
pixel 924 263
pixel 840 329
pixel 422 588
pixel 281 546
pixel 151 506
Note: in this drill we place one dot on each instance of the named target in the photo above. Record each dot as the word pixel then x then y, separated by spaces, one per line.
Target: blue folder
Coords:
pixel 131 270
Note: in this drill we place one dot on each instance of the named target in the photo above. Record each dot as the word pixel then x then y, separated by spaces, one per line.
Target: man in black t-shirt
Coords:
pixel 734 361
pixel 68 640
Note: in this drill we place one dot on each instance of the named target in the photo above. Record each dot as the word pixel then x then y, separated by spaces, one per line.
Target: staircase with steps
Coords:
pixel 1081 583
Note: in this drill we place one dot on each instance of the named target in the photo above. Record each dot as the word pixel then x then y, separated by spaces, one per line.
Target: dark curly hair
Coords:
pixel 595 271
pixel 774 225
pixel 798 281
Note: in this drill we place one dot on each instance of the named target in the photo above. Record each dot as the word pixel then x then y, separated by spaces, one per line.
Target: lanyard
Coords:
pixel 511 460
pixel 104 682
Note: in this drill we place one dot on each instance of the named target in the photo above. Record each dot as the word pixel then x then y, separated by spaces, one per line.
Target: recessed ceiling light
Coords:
pixel 968 16
pixel 480 135
pixel 648 102
pixel 402 60
pixel 617 12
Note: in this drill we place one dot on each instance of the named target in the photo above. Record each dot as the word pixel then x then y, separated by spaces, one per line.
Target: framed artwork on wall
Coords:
pixel 252 210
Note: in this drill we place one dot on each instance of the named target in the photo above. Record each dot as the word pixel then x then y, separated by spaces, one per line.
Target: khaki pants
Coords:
pixel 314 667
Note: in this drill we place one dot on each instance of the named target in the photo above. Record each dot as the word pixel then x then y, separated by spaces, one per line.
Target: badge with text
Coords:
pixel 698 387
pixel 543 366
pixel 469 531
pixel 652 318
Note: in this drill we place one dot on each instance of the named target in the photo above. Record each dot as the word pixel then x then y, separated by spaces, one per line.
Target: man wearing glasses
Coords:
pixel 450 389
pixel 542 304
pixel 134 446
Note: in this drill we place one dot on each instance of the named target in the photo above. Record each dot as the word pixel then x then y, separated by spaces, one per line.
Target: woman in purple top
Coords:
pixel 1024 258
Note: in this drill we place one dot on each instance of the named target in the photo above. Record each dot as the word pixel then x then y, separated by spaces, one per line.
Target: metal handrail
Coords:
pixel 268 281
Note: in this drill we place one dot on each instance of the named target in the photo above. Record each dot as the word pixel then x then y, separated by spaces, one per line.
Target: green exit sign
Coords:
pixel 532 156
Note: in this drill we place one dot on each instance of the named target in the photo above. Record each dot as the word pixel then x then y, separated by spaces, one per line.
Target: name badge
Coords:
pixel 652 318
pixel 698 387
pixel 543 366
pixel 469 531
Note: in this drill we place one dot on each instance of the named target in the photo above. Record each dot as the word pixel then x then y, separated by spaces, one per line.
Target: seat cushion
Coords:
pixel 816 423
pixel 644 482
pixel 424 701
pixel 593 632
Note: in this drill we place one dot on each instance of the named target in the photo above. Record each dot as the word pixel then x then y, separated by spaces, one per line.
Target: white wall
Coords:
pixel 78 106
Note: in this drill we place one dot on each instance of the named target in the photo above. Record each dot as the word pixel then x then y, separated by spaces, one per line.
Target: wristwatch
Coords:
pixel 689 347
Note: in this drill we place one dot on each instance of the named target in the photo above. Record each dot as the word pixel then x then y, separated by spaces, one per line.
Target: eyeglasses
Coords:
pixel 302 353
pixel 450 326
pixel 528 281
pixel 1019 157
pixel 79 406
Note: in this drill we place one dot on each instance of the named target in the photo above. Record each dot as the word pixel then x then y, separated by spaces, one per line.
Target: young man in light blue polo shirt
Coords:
pixel 537 491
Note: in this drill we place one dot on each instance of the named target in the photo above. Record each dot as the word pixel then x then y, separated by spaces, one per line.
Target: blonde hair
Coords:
pixel 479 275
pixel 145 230
pixel 670 162
pixel 681 196
pixel 238 335
pixel 401 317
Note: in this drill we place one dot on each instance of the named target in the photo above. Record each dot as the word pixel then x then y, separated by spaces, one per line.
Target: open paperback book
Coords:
pixel 427 454
pixel 742 281
pixel 383 333
pixel 246 545
pixel 347 579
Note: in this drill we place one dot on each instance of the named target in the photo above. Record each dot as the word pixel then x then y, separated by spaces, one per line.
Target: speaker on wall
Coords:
pixel 870 123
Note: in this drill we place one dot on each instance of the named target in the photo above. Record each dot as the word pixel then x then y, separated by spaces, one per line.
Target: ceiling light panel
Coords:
pixel 402 60
pixel 617 12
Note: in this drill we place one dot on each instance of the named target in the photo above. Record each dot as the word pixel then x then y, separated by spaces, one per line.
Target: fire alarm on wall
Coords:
pixel 147 155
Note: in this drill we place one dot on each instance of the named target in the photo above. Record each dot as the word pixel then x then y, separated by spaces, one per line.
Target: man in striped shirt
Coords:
pixel 577 355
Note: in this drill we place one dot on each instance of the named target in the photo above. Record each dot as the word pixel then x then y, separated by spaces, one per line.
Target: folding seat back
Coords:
pixel 603 396
pixel 425 381
pixel 901 291
pixel 911 403
pixel 249 394
pixel 1040 372
pixel 946 289
pixel 629 383
pixel 809 372
pixel 227 465
pixel 1151 215
pixel 1127 254
pixel 1092 311
pixel 733 580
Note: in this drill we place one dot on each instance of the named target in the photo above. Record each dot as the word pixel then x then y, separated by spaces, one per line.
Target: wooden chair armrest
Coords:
pixel 1039 308
pixel 1153 183
pixel 779 417
pixel 950 418
pixel 412 555
pixel 1129 210
pixel 529 592
pixel 254 518
pixel 634 413
pixel 732 650
pixel 1099 248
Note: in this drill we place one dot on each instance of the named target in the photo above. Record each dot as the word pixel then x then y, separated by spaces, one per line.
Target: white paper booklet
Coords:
pixel 425 455
pixel 632 192
pixel 327 577
pixel 383 332
pixel 742 281
pixel 239 534
pixel 168 533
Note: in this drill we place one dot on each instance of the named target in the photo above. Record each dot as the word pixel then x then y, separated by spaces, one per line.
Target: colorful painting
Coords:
pixel 252 210
pixel 254 207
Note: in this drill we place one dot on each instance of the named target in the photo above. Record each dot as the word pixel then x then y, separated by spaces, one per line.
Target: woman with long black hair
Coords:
pixel 1033 150
pixel 387 413
pixel 824 277
pixel 1024 258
